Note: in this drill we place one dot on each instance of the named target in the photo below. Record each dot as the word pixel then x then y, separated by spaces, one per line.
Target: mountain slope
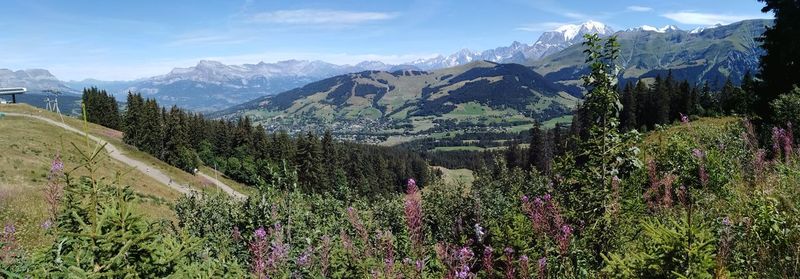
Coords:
pixel 35 80
pixel 211 85
pixel 477 94
pixel 710 54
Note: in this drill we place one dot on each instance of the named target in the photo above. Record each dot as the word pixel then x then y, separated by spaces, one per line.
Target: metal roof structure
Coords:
pixel 13 91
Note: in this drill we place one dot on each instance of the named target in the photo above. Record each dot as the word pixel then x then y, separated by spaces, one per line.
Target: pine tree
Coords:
pixel 540 153
pixel 780 66
pixel 629 115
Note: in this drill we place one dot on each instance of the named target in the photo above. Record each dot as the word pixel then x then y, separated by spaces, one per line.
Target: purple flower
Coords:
pixel 543 268
pixel 47 224
pixel 524 272
pixel 524 199
pixel 726 221
pixel 413 213
pixel 488 259
pixel 698 153
pixel 260 233
pixel 57 166
pixel 10 229
pixel 684 119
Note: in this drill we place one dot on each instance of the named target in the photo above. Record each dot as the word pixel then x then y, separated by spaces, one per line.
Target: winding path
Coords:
pixel 143 167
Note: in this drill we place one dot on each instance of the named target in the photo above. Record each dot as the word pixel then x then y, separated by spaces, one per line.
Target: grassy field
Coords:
pixel 457 176
pixel 27 148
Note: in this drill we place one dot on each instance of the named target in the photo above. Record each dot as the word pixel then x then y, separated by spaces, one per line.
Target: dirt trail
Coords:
pixel 143 167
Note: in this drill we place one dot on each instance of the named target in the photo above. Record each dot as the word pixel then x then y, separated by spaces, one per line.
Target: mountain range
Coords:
pixel 704 54
pixel 711 55
pixel 480 93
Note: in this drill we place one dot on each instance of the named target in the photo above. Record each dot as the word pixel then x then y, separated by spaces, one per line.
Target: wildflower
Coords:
pixel 9 241
pixel 509 255
pixel 564 239
pixel 258 251
pixel 413 214
pixel 347 242
pixel 236 234
pixel 523 267
pixel 464 256
pixel 47 224
pixel 361 230
pixel 543 268
pixel 684 119
pixel 388 247
pixel 304 260
pixel 54 190
pixel 697 153
pixel 325 255
pixel 488 260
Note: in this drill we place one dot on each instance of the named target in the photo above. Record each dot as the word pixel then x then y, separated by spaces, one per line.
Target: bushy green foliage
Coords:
pixel 664 251
pixel 786 107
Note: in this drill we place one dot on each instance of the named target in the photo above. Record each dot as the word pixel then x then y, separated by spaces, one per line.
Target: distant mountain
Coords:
pixel 115 87
pixel 705 55
pixel 478 93
pixel 35 80
pixel 212 85
pixel 548 43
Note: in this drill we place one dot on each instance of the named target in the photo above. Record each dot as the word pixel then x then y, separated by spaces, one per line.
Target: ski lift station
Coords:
pixel 13 91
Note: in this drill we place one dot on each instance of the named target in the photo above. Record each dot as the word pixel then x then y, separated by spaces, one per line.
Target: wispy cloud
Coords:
pixel 319 17
pixel 696 18
pixel 540 27
pixel 207 40
pixel 636 8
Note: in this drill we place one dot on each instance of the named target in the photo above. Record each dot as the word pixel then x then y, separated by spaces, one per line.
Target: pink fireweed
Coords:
pixel 701 167
pixel 546 219
pixel 509 257
pixel 9 243
pixel 543 268
pixel 659 194
pixel 361 230
pixel 488 261
pixel 279 251
pixel 347 242
pixel 413 214
pixel 524 272
pixel 54 191
pixel 465 257
pixel 684 119
pixel 325 255
pixel 783 143
pixel 258 253
pixel 457 260
pixel 387 241
pixel 563 239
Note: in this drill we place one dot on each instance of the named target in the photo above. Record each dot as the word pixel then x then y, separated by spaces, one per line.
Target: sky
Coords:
pixel 125 40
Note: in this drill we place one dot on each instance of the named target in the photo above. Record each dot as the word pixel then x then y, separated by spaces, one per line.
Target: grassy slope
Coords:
pixel 28 147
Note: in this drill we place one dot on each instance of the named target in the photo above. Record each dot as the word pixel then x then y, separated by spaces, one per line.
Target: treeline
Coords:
pixel 248 154
pixel 665 99
pixel 101 108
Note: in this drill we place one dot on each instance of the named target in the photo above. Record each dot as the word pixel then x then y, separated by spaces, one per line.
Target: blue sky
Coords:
pixel 120 40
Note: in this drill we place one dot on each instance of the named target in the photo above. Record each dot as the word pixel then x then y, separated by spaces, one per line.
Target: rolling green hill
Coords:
pixel 477 96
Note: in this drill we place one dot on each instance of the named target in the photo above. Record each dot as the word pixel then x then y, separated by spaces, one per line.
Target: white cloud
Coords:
pixel 696 18
pixel 635 8
pixel 318 17
pixel 540 27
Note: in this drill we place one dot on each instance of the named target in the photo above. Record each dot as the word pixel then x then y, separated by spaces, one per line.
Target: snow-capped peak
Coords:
pixel 648 28
pixel 701 29
pixel 570 31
